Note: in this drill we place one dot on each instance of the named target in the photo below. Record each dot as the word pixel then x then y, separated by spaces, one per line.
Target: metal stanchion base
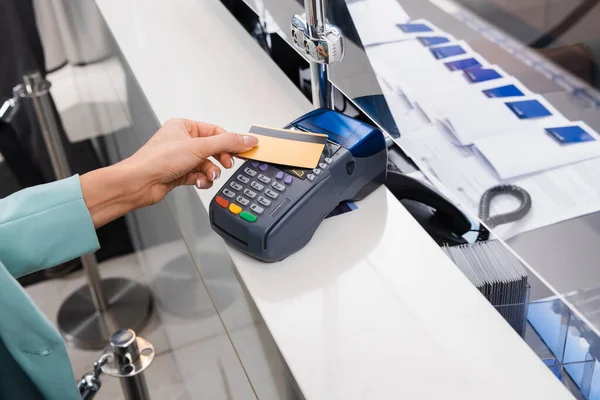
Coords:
pixel 129 306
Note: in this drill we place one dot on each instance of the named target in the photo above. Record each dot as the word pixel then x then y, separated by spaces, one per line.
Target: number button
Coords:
pixel 317 171
pixel 271 194
pixel 310 177
pixel 328 160
pixel 249 171
pixel 264 201
pixel 236 185
pixel 278 186
pixel 243 179
pixel 243 201
pixel 228 193
pixel 257 186
pixel 257 209
pixel 250 193
pixel 322 165
pixel 264 179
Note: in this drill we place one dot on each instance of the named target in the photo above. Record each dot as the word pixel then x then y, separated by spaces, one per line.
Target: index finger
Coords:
pixel 229 143
pixel 202 129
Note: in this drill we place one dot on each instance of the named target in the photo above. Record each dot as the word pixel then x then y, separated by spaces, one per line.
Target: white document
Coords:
pixel 438 82
pixel 430 77
pixel 529 151
pixel 478 120
pixel 400 61
pixel 377 21
pixel 439 104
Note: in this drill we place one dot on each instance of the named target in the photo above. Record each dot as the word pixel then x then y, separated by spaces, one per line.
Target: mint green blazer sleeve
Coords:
pixel 44 226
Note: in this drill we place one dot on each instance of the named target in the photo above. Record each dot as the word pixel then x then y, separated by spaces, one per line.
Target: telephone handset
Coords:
pixel 444 222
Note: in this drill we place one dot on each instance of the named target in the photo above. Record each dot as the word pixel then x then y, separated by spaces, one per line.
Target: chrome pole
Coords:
pixel 315 16
pixel 322 91
pixel 322 44
pixel 92 312
pixel 37 89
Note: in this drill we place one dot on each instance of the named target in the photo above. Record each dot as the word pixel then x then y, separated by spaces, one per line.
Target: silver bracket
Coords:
pixel 128 357
pixel 326 47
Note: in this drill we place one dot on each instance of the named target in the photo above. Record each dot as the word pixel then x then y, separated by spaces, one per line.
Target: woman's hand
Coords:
pixel 176 155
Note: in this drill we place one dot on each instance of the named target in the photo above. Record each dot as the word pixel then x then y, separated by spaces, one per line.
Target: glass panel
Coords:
pixel 204 309
pixel 209 339
pixel 444 106
pixel 563 343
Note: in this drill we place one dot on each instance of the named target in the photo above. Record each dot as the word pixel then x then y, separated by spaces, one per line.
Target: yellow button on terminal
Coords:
pixel 234 208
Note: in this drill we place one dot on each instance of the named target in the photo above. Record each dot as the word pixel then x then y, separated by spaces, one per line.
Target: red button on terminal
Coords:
pixel 222 202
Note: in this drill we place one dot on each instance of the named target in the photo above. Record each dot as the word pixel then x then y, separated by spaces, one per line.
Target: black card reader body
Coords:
pixel 271 211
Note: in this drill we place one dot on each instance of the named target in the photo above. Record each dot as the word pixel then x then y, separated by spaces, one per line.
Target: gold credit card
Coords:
pixel 286 147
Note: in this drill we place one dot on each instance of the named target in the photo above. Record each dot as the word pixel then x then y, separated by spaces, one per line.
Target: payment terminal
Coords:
pixel 271 211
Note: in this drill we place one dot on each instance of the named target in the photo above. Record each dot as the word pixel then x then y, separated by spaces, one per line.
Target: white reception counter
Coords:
pixel 371 308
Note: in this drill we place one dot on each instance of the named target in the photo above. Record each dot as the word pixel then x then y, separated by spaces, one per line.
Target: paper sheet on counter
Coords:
pixel 527 151
pixel 400 62
pixel 378 23
pixel 558 195
pixel 431 82
pixel 442 103
pixel 479 120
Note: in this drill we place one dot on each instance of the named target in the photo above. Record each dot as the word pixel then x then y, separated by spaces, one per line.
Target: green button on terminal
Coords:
pixel 248 217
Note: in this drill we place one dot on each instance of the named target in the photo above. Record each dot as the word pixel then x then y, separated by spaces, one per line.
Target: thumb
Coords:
pixel 225 143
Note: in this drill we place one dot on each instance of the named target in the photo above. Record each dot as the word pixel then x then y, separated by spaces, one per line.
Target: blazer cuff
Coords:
pixel 44 226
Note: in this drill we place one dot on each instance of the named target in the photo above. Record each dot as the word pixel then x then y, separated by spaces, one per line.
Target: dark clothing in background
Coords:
pixel 21 52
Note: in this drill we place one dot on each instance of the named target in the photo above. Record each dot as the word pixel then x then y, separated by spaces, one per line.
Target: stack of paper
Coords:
pixel 498 275
pixel 445 122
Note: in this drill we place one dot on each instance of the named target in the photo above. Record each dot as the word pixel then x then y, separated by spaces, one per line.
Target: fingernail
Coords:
pixel 232 162
pixel 214 175
pixel 201 183
pixel 250 141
